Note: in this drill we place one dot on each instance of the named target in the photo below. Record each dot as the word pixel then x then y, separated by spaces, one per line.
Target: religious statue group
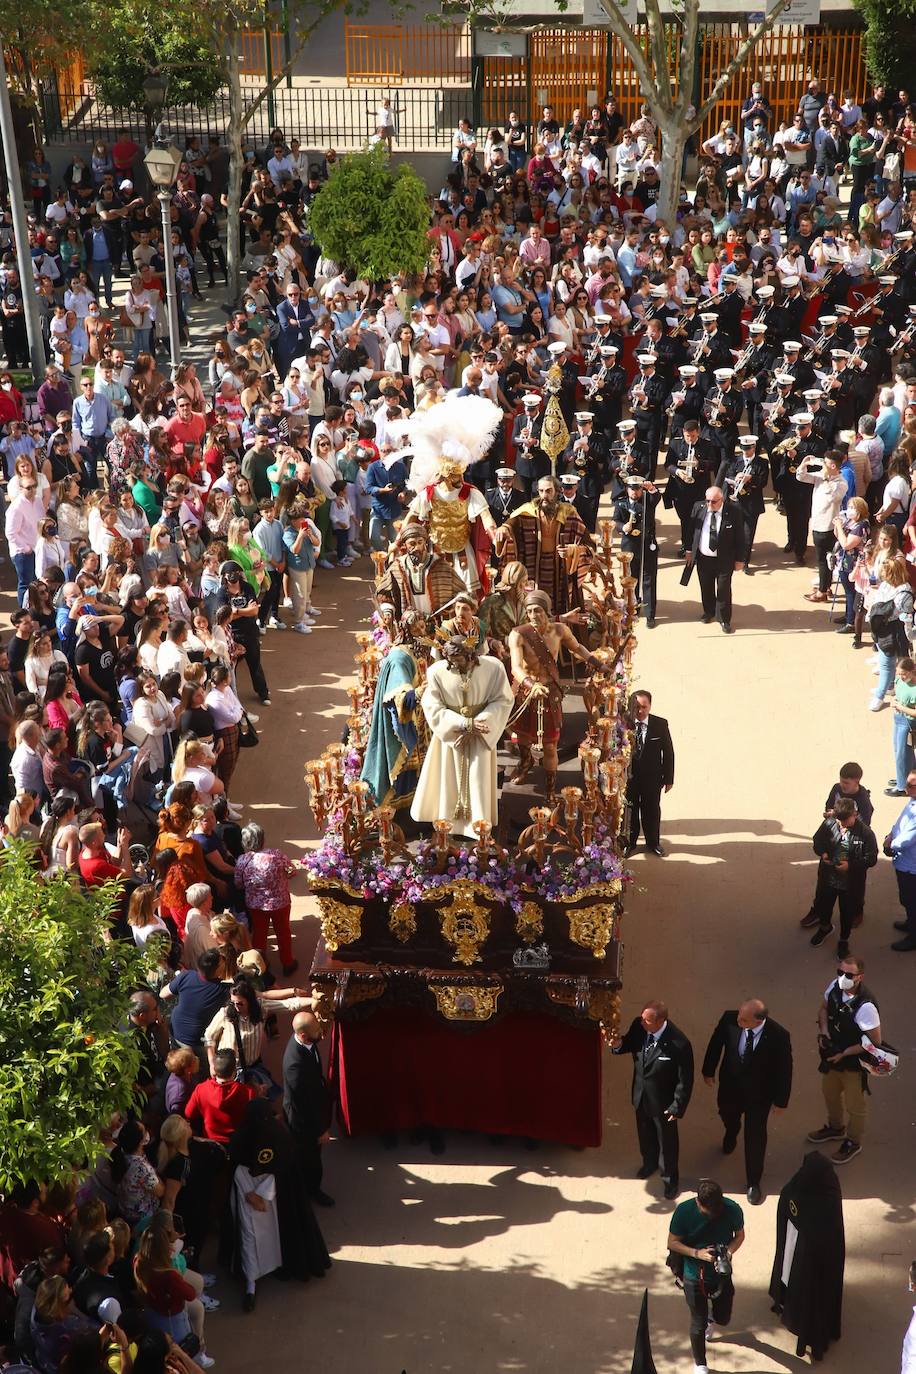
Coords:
pixel 480 618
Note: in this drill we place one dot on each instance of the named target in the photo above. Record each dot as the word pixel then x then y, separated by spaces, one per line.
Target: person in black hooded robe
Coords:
pixel 807 1280
pixel 264 1146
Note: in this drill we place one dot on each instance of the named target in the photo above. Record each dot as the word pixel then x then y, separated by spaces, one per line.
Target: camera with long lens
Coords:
pixel 723 1261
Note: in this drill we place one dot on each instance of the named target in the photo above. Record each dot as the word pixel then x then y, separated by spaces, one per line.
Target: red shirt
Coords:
pixel 167 1292
pixel 183 432
pixel 95 871
pixel 221 1107
pixel 123 153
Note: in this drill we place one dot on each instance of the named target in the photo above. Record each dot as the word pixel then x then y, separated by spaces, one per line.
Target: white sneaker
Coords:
pixel 212 1304
pixel 697 1368
pixel 345 563
pixel 313 611
pixel 302 628
pixel 287 603
pixel 236 813
pixel 876 705
pixel 712 1331
pixel 254 720
pixel 262 629
pixel 276 624
pixel 204 1360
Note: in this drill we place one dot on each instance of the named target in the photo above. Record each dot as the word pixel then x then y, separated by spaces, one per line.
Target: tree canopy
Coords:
pixel 66 1064
pixel 141 38
pixel 371 216
pixel 890 41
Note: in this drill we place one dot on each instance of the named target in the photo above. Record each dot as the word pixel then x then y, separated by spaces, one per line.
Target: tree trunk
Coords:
pixel 674 137
pixel 234 137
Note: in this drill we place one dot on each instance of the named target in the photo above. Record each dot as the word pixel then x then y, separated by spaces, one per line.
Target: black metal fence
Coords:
pixel 319 116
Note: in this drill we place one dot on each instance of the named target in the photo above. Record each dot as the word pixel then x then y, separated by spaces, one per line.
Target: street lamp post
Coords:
pixel 162 163
pixel 21 232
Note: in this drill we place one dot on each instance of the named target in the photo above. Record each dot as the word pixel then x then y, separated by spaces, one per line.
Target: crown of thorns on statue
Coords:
pixel 457 647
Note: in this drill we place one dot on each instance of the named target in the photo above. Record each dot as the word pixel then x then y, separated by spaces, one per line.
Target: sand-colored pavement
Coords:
pixel 496 1258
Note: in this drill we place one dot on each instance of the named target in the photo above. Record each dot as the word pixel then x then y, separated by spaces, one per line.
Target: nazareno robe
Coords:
pixel 807 1280
pixel 451 774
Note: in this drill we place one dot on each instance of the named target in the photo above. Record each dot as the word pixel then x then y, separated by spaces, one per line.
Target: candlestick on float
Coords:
pixel 379 559
pixel 589 807
pixel 355 727
pixel 359 795
pixel 541 815
pixel 385 817
pixel 482 829
pixel 443 830
pixel 313 777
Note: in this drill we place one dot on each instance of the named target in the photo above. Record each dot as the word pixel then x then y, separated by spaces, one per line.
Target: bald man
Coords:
pixel 662 1084
pixel 753 1054
pixel 307 1100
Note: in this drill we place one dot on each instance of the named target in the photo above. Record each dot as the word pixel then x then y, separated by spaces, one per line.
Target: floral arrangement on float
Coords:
pixel 556 894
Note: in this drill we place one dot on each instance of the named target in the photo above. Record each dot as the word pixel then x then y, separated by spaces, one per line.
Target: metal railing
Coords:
pixel 332 116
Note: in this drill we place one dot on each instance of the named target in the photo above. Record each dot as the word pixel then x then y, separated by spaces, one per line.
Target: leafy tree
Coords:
pixel 672 110
pixel 890 41
pixel 65 1065
pixel 139 38
pixel 34 42
pixel 371 216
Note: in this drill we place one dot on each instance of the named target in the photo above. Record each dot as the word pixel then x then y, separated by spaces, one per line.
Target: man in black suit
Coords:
pixel 307 1100
pixel 651 769
pixel 634 512
pixel 753 1054
pixel 505 498
pixel 717 551
pixel 662 1084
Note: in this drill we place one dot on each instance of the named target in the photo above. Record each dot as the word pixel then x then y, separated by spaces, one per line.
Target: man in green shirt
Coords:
pixel 697 1226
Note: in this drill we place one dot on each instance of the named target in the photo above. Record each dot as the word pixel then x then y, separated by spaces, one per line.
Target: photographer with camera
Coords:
pixel 704 1234
pixel 848 1012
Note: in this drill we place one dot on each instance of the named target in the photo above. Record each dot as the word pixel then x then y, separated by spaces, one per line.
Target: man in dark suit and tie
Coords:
pixel 754 1056
pixel 651 769
pixel 505 498
pixel 307 1100
pixel 717 551
pixel 662 1084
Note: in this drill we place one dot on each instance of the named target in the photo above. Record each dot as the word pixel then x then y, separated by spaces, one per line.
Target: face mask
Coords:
pixel 845 983
pixel 356 395
pixel 7 386
pixel 250 308
pixel 91 591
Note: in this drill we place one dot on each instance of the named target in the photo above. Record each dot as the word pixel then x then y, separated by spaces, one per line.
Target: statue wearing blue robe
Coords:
pixel 398 734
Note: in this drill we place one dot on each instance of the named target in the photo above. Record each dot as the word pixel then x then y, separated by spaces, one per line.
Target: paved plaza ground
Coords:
pixel 500 1260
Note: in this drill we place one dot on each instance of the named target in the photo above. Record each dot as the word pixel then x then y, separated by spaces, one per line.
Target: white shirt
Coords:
pixel 704 533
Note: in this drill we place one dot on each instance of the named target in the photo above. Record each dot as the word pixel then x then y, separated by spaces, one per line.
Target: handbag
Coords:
pixel 248 735
pixel 891 169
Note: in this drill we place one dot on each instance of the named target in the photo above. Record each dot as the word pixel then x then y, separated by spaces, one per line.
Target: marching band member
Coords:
pixel 691 464
pixel 744 477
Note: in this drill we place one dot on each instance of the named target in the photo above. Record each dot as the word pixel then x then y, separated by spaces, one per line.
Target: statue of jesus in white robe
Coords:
pixel 467 702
